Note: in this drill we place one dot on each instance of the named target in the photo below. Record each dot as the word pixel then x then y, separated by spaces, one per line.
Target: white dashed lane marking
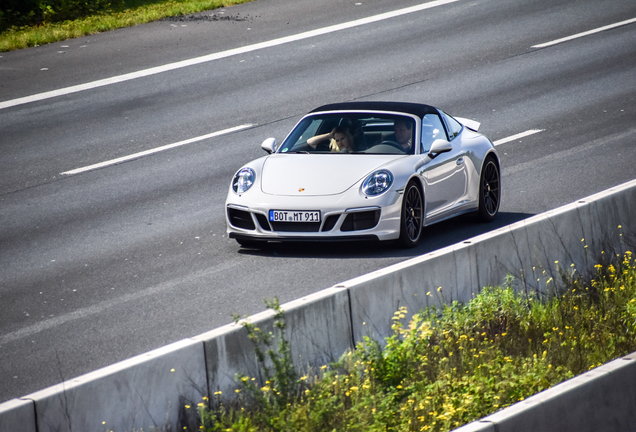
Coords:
pixel 155 150
pixel 587 33
pixel 517 136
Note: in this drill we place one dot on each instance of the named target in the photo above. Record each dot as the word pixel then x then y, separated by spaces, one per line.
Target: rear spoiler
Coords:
pixel 470 124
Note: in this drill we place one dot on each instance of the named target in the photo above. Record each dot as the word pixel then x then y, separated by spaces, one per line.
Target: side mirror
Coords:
pixel 269 145
pixel 439 146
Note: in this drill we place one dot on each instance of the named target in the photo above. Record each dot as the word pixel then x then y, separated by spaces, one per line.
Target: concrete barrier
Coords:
pixel 17 415
pixel 153 389
pixel 149 390
pixel 318 329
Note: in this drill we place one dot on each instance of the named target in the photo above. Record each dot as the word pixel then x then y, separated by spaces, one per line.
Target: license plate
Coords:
pixel 294 216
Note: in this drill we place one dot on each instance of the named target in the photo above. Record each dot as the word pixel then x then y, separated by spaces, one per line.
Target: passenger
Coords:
pixel 341 140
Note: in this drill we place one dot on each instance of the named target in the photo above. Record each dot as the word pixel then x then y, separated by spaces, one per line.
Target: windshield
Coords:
pixel 358 133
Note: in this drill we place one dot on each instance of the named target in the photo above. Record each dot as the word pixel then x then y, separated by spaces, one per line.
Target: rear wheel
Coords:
pixel 489 190
pixel 412 217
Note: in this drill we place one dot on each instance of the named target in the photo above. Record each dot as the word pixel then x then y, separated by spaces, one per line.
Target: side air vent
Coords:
pixel 240 219
pixel 330 222
pixel 262 221
pixel 361 220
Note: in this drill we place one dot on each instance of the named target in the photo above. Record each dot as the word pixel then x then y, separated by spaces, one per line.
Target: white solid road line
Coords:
pixel 224 132
pixel 155 150
pixel 517 136
pixel 220 55
pixel 580 35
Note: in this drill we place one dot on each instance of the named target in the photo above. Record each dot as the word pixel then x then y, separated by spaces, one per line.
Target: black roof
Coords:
pixel 402 107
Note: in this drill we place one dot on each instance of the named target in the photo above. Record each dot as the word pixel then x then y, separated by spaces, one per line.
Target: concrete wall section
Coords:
pixel 535 251
pixel 318 327
pixel 609 210
pixel 17 416
pixel 150 390
pixel 430 280
pixel 561 241
pixel 455 273
pixel 579 235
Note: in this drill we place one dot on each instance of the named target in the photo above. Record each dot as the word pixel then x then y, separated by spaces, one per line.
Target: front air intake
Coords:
pixel 361 220
pixel 240 219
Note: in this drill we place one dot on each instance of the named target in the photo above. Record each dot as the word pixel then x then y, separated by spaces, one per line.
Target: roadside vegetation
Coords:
pixel 444 367
pixel 30 23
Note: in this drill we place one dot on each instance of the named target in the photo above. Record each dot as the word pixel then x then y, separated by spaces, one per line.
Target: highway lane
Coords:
pixel 100 266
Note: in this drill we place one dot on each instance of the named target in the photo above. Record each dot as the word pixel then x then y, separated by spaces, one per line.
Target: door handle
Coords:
pixel 460 161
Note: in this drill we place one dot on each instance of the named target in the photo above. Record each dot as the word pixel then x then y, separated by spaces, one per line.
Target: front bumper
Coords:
pixel 364 218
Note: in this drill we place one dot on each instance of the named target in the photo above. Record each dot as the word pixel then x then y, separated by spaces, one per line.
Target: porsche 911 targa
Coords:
pixel 365 171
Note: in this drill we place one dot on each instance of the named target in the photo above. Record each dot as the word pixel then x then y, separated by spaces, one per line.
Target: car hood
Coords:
pixel 315 174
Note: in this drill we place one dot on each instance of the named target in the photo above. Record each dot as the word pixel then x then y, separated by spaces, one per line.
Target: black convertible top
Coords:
pixel 419 110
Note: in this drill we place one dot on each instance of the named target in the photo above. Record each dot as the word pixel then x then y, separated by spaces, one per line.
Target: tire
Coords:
pixel 489 190
pixel 412 216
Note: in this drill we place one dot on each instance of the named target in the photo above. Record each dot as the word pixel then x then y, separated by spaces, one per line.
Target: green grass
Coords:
pixel 445 367
pixel 134 12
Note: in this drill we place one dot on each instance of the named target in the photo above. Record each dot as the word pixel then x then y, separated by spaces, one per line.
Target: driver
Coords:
pixel 402 128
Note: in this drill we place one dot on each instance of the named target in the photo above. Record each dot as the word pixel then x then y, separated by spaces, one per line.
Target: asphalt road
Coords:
pixel 99 266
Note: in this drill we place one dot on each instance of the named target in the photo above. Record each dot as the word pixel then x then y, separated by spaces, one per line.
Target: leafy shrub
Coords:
pixel 33 12
pixel 447 366
pixel 24 27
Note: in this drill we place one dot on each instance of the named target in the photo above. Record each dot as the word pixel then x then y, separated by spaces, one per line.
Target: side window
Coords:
pixel 454 127
pixel 432 129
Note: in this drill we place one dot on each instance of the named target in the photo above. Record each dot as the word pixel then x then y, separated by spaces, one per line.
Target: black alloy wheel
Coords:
pixel 489 191
pixel 412 216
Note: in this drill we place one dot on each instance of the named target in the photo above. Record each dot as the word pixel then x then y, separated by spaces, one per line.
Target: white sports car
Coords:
pixel 365 171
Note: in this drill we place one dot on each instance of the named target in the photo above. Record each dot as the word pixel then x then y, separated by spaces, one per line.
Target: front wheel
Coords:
pixel 412 216
pixel 489 191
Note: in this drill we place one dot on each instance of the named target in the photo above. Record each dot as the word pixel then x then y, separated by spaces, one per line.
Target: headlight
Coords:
pixel 377 183
pixel 243 180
